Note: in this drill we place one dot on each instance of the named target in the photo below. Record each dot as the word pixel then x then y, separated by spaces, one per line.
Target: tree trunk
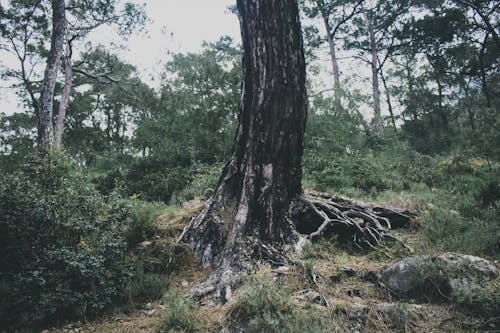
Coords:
pixel 68 83
pixel 258 207
pixel 388 99
pixel 249 213
pixel 377 118
pixel 45 138
pixel 333 55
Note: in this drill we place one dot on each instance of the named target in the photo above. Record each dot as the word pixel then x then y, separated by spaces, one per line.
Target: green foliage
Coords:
pixel 476 299
pixel 143 221
pixel 460 284
pixel 179 314
pixel 143 286
pixel 62 245
pixel 262 306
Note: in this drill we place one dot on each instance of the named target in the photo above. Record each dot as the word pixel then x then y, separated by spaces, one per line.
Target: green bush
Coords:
pixel 61 244
pixel 143 286
pixel 143 221
pixel 447 230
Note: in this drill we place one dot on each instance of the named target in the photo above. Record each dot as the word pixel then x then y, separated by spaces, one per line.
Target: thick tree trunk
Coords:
pixel 258 208
pixel 249 215
pixel 45 137
pixel 377 118
pixel 68 83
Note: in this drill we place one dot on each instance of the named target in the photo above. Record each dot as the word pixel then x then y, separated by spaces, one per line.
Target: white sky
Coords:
pixel 175 26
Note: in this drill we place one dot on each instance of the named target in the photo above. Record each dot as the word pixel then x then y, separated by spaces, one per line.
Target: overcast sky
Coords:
pixel 175 26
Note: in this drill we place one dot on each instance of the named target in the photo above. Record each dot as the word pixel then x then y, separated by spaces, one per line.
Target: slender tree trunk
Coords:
pixel 377 118
pixel 333 55
pixel 68 83
pixel 45 138
pixel 388 99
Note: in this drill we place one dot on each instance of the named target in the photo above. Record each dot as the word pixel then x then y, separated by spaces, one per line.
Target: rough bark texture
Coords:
pixel 63 103
pixel 45 137
pixel 258 211
pixel 249 215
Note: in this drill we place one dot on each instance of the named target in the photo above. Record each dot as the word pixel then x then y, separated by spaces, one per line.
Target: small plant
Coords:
pixel 179 314
pixel 264 307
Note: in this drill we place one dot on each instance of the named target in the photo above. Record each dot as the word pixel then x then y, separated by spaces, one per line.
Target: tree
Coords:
pixel 44 113
pixel 258 206
pixel 24 32
pixel 84 17
pixel 334 15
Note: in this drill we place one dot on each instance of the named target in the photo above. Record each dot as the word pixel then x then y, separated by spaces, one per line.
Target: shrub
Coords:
pixel 61 244
pixel 143 221
pixel 144 286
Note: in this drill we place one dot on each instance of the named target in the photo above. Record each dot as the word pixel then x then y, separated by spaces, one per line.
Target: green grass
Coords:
pixel 262 306
pixel 179 314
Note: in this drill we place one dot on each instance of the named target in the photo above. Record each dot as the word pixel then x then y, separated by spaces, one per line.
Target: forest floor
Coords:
pixel 339 286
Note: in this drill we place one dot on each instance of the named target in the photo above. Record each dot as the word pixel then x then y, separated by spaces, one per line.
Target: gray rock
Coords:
pixel 481 266
pixel 402 275
pixel 312 296
pixel 349 271
pixel 407 274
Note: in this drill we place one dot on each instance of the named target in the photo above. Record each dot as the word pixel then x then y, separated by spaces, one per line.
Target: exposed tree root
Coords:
pixel 219 238
pixel 358 224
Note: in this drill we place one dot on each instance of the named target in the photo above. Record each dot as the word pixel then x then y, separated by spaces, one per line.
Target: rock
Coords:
pixel 184 284
pixel 481 266
pixel 312 297
pixel 358 312
pixel 148 306
pixel 402 275
pixel 45 331
pixel 143 245
pixel 453 269
pixel 150 313
pixel 349 271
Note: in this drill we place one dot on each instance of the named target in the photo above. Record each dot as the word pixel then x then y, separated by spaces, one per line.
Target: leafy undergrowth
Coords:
pixel 332 291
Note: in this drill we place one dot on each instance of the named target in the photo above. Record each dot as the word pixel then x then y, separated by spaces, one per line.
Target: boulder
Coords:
pixel 411 273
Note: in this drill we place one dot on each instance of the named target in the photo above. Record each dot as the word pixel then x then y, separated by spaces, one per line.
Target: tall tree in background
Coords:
pixel 258 206
pixel 44 114
pixel 83 18
pixel 334 14
pixel 24 32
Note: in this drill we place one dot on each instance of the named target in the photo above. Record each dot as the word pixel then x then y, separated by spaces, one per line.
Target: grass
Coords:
pixel 179 314
pixel 262 306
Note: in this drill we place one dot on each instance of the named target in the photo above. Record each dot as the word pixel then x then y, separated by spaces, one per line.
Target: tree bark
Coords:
pixel 45 138
pixel 63 103
pixel 249 215
pixel 258 208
